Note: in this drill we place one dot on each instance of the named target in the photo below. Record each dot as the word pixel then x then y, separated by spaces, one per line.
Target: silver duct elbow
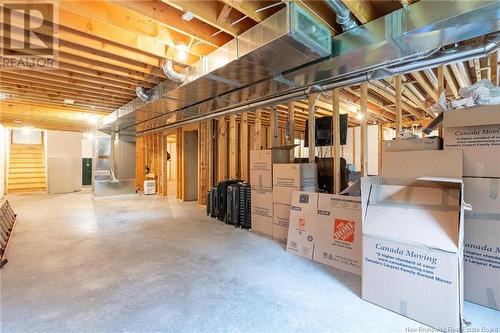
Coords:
pixel 343 14
pixel 168 69
pixel 144 95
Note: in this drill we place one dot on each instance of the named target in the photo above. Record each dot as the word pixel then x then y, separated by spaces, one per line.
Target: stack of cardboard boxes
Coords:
pixel 413 237
pixel 288 178
pixel 476 131
pixel 326 228
pixel 261 180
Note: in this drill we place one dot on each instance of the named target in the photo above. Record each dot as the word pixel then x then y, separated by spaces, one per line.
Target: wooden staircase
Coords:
pixel 27 168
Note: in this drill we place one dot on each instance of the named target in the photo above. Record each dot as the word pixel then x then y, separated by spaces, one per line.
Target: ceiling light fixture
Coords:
pixel 4 96
pixel 187 16
pixel 359 116
pixel 181 51
pixel 69 101
pixel 92 119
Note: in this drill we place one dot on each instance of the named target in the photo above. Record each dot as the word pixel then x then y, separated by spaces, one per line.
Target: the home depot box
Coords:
pixel 429 143
pixel 281 218
pixel 337 232
pixel 412 249
pixel 262 210
pixel 476 131
pixel 293 177
pixel 300 239
pixel 482 241
pixel 261 164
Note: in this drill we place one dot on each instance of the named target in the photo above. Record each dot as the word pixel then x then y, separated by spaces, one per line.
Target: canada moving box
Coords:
pixel 429 143
pixel 261 164
pixel 281 218
pixel 412 249
pixel 337 232
pixel 293 177
pixel 413 237
pixel 262 210
pixel 476 131
pixel 300 239
pixel 482 242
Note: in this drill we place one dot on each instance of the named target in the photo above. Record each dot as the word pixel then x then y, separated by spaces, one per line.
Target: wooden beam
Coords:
pixel 364 130
pixel 399 109
pixel 258 130
pixel 203 161
pixel 172 17
pixel 244 148
pixel 180 163
pixel 291 114
pixel 273 129
pixel 428 87
pixel 336 141
pixel 233 148
pixel 222 158
pixel 451 81
pixel 210 154
pixel 440 89
pixel 363 10
pixel 247 8
pixel 214 13
pixel 493 60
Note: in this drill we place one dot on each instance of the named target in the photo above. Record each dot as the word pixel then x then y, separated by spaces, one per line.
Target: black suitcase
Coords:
pixel 222 197
pixel 209 199
pixel 232 207
pixel 213 201
pixel 245 206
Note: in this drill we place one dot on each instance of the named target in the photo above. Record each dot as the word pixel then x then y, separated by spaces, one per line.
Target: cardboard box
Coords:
pixel 281 219
pixel 431 163
pixel 293 177
pixel 300 239
pixel 261 164
pixel 262 211
pixel 262 225
pixel 429 143
pixel 412 249
pixel 337 232
pixel 476 131
pixel 482 242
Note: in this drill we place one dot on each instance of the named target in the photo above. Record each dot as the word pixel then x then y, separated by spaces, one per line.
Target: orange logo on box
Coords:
pixel 344 230
pixel 302 224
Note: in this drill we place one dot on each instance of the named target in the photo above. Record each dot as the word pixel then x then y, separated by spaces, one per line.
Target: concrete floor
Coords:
pixel 153 264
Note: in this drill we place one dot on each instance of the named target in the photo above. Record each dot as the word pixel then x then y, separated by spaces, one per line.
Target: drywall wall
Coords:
pixel 190 173
pixel 87 146
pixel 64 161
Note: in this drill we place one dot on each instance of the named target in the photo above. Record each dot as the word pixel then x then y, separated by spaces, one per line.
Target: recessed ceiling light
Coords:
pixel 360 116
pixel 187 16
pixel 92 106
pixel 17 121
pixel 69 101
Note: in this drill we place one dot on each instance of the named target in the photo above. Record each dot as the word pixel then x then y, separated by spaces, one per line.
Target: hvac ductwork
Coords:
pixel 168 69
pixel 143 95
pixel 343 14
pixel 259 71
pixel 460 53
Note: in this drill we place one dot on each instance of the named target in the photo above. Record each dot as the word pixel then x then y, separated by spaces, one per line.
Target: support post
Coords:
pixel 222 149
pixel 273 127
pixel 244 153
pixel 399 109
pixel 336 140
pixel 440 89
pixel 233 148
pixel 364 129
pixel 312 127
pixel 258 130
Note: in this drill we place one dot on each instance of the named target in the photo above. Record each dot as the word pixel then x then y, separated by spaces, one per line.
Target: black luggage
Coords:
pixel 222 197
pixel 213 201
pixel 245 206
pixel 232 207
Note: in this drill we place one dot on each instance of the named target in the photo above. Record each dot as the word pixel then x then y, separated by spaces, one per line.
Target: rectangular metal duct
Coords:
pixel 396 38
pixel 255 55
